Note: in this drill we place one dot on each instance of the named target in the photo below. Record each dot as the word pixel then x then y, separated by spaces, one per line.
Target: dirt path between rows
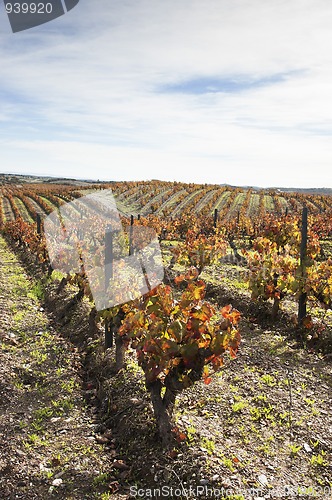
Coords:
pixel 47 432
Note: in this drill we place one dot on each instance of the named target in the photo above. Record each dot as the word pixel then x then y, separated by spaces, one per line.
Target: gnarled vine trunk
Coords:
pixel 163 407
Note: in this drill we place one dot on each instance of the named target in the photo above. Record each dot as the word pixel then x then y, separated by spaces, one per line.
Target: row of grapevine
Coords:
pixel 168 199
pixel 207 202
pixel 178 337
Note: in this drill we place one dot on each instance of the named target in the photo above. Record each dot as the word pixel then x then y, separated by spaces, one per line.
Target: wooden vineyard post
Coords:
pixel 39 223
pixel 302 311
pixel 108 277
pixel 131 250
pixel 215 218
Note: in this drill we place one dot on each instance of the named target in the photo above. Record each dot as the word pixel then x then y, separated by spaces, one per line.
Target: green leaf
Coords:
pixel 176 330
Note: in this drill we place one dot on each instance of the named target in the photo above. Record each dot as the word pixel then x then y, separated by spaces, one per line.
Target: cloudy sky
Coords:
pixel 216 91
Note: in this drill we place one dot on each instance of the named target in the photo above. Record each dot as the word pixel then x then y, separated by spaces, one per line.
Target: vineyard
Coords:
pixel 261 229
pixel 236 339
pixel 165 199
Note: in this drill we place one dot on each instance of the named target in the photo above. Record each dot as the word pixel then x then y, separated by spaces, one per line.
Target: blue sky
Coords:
pixel 219 92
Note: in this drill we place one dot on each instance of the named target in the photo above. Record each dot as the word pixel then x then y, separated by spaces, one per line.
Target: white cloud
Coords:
pixel 87 97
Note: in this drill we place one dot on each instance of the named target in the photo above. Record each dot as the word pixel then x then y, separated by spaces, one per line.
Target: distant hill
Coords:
pixel 37 179
pixel 322 190
pixel 317 191
pixel 325 191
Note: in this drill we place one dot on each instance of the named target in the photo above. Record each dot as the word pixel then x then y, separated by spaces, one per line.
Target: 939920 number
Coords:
pixel 29 8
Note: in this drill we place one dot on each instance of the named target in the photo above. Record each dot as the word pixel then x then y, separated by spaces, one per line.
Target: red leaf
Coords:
pixel 307 322
pixel 179 279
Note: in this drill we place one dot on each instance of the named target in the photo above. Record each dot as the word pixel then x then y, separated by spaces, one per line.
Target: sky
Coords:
pixel 213 91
